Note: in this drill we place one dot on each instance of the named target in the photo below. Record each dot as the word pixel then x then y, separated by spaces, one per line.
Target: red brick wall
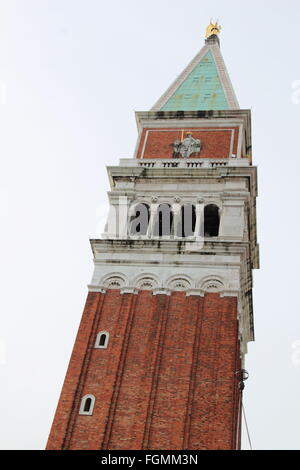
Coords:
pixel 215 142
pixel 166 381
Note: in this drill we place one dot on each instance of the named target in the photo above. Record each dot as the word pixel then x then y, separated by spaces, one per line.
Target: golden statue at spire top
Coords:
pixel 212 28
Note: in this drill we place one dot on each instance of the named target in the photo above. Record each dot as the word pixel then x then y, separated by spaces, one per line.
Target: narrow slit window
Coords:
pixel 102 340
pixel 87 405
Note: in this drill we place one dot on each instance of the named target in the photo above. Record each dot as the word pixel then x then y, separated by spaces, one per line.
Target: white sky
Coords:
pixel 71 74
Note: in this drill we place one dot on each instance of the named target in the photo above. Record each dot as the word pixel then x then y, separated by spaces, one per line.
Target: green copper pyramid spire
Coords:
pixel 202 89
pixel 203 85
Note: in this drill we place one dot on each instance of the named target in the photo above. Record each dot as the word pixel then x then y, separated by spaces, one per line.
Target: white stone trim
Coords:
pixel 240 142
pixel 93 288
pixel 144 143
pixel 231 142
pixel 224 77
pixel 129 290
pixel 229 293
pixel 161 291
pixel 197 292
pixel 113 281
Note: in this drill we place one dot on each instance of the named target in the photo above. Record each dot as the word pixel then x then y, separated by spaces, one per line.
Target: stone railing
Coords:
pixel 184 162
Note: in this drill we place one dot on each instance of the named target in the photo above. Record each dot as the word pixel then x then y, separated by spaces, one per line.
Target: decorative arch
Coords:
pixel 113 281
pixel 146 282
pixel 212 284
pixel 179 283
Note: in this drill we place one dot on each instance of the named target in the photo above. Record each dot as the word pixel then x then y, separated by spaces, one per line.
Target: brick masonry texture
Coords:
pixel 215 143
pixel 166 381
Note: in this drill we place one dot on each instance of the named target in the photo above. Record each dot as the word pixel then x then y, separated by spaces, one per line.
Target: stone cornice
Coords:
pixel 168 246
pixel 143 117
pixel 141 172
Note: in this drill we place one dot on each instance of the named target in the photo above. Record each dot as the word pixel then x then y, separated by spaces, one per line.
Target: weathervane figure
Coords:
pixel 212 28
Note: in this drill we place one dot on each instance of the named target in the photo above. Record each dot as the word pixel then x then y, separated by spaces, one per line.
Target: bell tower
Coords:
pixel 159 356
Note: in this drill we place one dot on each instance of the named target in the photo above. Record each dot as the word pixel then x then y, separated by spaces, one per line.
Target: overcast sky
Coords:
pixel 72 72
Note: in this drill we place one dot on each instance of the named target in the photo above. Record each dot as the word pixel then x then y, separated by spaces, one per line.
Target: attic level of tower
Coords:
pixel 215 142
pixel 194 134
